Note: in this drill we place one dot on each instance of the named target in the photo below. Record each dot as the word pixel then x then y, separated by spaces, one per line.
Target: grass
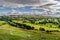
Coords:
pixel 21 34
pixel 46 27
pixel 8 32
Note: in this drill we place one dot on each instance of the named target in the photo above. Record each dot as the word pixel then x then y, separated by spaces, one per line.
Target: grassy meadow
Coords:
pixel 29 28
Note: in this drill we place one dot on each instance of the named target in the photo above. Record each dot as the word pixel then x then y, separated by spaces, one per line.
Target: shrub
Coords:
pixel 33 28
pixel 47 31
pixel 24 26
pixel 59 26
pixel 51 31
pixel 50 25
pixel 42 29
pixel 28 27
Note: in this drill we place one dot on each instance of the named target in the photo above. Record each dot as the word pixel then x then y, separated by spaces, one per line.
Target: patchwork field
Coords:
pixel 25 29
pixel 8 32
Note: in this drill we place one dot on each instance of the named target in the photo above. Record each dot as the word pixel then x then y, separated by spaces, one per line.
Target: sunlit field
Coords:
pixel 29 28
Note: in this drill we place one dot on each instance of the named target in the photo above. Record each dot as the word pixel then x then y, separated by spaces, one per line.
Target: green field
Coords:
pixel 8 32
pixel 41 25
pixel 11 32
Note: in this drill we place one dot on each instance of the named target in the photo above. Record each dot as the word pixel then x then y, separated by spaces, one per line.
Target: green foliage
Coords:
pixel 41 29
pixel 49 31
pixel 58 26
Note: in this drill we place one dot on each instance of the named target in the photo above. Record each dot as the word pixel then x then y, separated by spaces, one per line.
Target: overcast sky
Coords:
pixel 25 2
pixel 28 1
pixel 19 3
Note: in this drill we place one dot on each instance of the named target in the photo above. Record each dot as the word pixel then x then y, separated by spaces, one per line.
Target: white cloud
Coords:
pixel 21 3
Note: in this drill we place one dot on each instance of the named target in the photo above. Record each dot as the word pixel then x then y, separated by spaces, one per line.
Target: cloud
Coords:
pixel 24 1
pixel 32 2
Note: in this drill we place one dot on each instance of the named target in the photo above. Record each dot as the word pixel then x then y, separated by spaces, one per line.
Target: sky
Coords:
pixel 25 5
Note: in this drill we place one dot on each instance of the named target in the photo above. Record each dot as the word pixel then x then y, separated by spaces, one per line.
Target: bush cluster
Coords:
pixel 24 26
